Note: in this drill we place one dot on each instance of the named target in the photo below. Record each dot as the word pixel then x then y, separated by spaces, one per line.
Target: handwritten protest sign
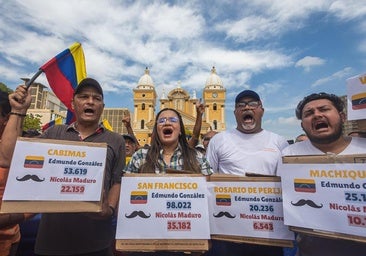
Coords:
pixel 356 97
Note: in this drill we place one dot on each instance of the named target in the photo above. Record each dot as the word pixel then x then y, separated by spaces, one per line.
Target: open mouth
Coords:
pixel 320 125
pixel 167 131
pixel 88 111
pixel 248 118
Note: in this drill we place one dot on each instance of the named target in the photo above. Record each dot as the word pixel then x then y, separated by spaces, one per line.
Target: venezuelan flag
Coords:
pixel 64 72
pixel 33 162
pixel 57 121
pixel 223 199
pixel 107 125
pixel 138 197
pixel 304 185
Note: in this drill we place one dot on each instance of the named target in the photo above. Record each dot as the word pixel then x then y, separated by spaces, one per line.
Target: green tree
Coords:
pixel 32 122
pixel 4 88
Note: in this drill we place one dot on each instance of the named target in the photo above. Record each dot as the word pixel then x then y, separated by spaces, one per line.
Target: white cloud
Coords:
pixel 308 62
pixel 272 18
pixel 289 121
pixel 289 127
pixel 252 44
pixel 344 73
pixel 348 9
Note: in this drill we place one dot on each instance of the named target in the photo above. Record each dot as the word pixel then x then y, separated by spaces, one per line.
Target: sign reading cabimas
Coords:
pixel 51 170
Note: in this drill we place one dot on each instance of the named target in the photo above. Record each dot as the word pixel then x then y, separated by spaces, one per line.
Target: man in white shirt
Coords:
pixel 322 119
pixel 247 149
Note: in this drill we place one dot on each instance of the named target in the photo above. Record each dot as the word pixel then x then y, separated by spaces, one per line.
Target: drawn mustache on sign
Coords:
pixel 138 213
pixel 30 177
pixel 226 214
pixel 303 202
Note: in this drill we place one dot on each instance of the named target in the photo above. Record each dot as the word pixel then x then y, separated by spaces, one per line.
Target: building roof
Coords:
pixel 145 80
pixel 214 81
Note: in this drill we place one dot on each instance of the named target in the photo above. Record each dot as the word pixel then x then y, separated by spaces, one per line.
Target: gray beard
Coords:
pixel 247 127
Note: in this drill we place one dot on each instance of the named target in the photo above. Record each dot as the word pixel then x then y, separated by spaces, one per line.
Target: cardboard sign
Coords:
pixel 163 212
pixel 55 176
pixel 247 209
pixel 356 97
pixel 325 195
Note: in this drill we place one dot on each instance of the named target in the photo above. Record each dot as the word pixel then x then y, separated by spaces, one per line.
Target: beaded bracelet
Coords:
pixel 17 114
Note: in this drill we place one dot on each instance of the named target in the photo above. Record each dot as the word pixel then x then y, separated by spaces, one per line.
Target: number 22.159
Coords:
pixel 72 189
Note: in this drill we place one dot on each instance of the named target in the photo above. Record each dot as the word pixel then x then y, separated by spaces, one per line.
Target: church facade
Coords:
pixel 145 106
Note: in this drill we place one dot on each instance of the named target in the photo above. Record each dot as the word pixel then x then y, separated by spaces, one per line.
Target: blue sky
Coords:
pixel 284 49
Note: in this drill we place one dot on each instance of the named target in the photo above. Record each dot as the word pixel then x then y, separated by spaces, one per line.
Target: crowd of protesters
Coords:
pixel 247 148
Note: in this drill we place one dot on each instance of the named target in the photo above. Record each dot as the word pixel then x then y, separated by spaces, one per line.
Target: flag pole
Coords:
pixel 30 81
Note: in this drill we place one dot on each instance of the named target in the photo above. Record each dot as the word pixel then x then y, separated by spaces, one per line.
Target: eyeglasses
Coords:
pixel 172 119
pixel 250 104
pixel 206 138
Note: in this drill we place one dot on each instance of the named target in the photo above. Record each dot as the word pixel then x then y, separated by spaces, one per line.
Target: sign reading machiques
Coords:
pixel 328 197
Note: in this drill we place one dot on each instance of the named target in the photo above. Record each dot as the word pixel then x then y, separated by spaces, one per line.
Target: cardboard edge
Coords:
pixel 254 240
pixel 253 178
pixel 325 158
pixel 150 245
pixel 49 206
pixel 63 142
pixel 327 234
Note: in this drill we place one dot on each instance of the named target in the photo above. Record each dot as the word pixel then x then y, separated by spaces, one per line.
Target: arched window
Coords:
pixel 142 124
pixel 214 106
pixel 143 106
pixel 215 124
